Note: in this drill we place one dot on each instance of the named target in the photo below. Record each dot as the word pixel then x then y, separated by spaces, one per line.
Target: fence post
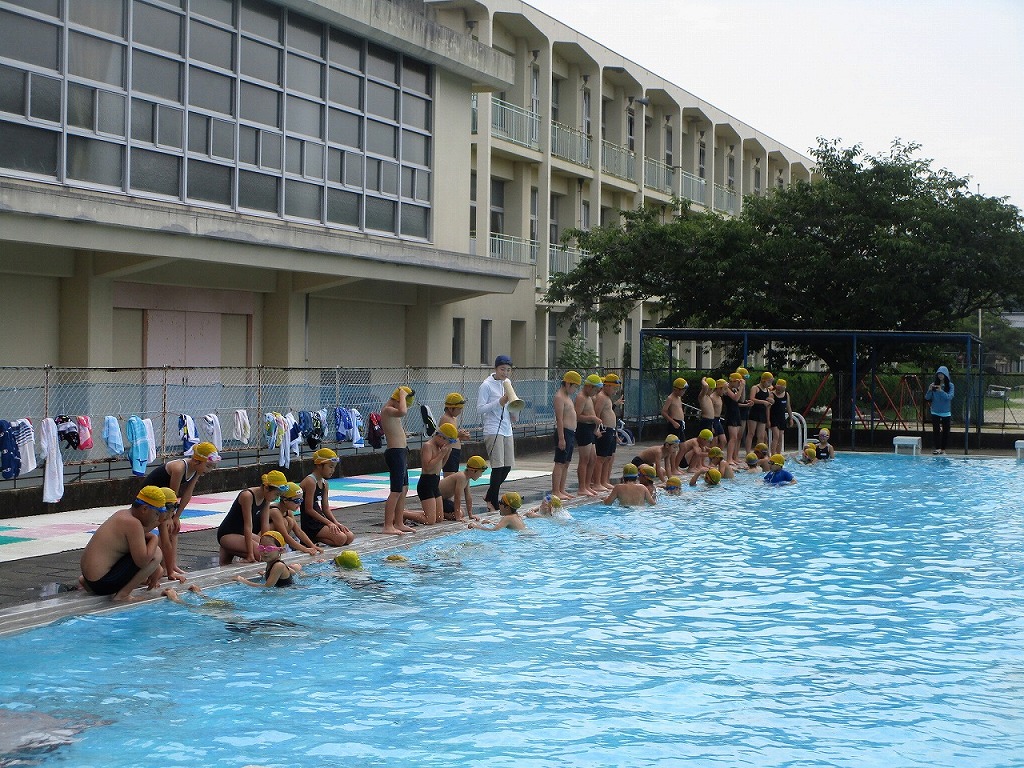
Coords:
pixel 259 412
pixel 163 409
pixel 46 392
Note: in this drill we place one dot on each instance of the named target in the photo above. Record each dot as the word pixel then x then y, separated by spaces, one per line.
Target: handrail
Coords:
pixel 801 431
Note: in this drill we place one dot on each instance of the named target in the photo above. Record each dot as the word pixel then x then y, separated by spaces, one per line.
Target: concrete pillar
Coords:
pixel 86 317
pixel 284 325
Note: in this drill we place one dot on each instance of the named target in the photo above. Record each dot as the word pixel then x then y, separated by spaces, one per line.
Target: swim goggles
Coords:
pixel 267 548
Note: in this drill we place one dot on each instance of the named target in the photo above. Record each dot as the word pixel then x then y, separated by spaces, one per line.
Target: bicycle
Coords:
pixel 622 435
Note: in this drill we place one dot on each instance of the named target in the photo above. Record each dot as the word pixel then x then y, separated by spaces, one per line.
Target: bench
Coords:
pixel 914 443
pixel 1019 445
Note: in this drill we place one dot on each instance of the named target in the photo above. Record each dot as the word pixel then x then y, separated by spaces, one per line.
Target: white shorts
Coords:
pixel 501 450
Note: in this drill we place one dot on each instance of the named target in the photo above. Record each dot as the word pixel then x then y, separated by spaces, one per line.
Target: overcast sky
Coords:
pixel 946 74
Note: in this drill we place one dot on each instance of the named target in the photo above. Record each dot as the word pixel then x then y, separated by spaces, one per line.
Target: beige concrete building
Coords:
pixel 326 182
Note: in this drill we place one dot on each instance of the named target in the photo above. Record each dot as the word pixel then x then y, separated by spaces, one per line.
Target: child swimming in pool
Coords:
pixel 550 506
pixel 278 573
pixel 508 506
pixel 630 493
pixel 712 477
pixel 674 486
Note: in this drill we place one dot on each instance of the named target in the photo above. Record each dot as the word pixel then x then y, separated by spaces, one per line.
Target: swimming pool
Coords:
pixel 872 615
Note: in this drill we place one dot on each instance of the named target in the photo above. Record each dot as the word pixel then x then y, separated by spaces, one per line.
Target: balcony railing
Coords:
pixel 693 187
pixel 725 199
pixel 515 124
pixel 659 176
pixel 517 249
pixel 562 260
pixel 618 161
pixel 570 144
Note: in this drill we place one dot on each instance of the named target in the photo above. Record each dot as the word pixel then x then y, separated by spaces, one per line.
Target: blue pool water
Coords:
pixel 872 615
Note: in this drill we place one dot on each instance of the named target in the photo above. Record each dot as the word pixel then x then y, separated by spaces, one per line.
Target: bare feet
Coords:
pixel 405 528
pixel 129 598
pixel 393 531
pixel 565 495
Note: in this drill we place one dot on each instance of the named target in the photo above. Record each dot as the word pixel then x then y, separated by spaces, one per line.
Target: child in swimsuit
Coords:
pixel 278 573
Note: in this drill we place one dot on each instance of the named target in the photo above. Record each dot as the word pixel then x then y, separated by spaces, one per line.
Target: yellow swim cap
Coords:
pixel 324 455
pixel 780 382
pixel 721 383
pixel 396 559
pixel 476 462
pixel 348 559
pixel 294 492
pixel 275 479
pixel 454 400
pixel 710 382
pixel 713 476
pixel 594 380
pixel 671 439
pixel 680 383
pixel 612 378
pixel 777 459
pixel 705 434
pixel 276 536
pixel 751 458
pixel 736 376
pixel 630 470
pixel 761 447
pixel 170 497
pixel 648 470
pixel 153 496
pixel 743 372
pixel 674 482
pixel 766 375
pixel 572 377
pixel 810 450
pixel 555 502
pixel 449 430
pixel 715 453
pixel 512 499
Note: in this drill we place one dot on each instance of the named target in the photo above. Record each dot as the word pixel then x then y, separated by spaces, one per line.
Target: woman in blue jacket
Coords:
pixel 940 395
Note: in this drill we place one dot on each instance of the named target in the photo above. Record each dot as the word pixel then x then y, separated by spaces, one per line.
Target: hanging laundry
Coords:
pixel 138 438
pixel 67 430
pixel 84 432
pixel 151 437
pixel 357 425
pixel 243 431
pixel 211 423
pixel 187 431
pixel 112 436
pixel 25 436
pixel 53 478
pixel 10 456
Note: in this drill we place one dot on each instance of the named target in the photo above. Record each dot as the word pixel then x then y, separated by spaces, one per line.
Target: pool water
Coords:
pixel 871 615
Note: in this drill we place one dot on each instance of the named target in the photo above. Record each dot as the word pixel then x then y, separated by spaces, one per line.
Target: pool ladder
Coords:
pixel 801 432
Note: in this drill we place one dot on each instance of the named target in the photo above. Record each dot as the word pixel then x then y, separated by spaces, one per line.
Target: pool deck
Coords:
pixel 40 589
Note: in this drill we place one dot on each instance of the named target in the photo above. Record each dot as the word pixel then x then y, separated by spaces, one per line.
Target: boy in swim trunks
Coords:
pixel 586 427
pixel 396 456
pixel 456 489
pixel 433 455
pixel 508 506
pixel 124 553
pixel 659 456
pixel 565 432
pixel 629 493
pixel 672 410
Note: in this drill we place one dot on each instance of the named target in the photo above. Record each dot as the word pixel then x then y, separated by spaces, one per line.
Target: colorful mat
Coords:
pixel 49 534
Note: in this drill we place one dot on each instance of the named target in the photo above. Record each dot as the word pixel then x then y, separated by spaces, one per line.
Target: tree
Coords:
pixel 576 355
pixel 876 242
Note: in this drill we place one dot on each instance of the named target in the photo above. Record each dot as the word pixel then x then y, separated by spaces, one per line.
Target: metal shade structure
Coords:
pixel 858 340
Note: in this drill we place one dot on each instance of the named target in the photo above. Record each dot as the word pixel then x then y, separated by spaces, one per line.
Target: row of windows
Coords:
pixel 185 130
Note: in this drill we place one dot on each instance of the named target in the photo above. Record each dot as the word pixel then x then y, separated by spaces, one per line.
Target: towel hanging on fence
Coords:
pixel 187 431
pixel 138 439
pixel 294 434
pixel 53 478
pixel 25 436
pixel 211 423
pixel 151 437
pixel 84 432
pixel 112 436
pixel 67 430
pixel 10 456
pixel 357 424
pixel 243 431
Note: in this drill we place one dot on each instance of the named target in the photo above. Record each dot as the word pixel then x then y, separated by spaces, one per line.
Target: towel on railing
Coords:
pixel 84 432
pixel 10 456
pixel 187 431
pixel 138 439
pixel 53 478
pixel 25 436
pixel 242 431
pixel 151 438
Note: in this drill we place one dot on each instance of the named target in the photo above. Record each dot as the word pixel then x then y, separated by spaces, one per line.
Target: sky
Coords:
pixel 945 74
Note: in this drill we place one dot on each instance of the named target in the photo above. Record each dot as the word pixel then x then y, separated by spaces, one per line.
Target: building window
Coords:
pixel 630 131
pixel 552 338
pixel 730 172
pixel 497 206
pixel 472 204
pixel 757 179
pixel 555 88
pixel 485 342
pixel 584 214
pixel 534 214
pixel 702 156
pixel 585 123
pixel 553 230
pixel 668 147
pixel 458 341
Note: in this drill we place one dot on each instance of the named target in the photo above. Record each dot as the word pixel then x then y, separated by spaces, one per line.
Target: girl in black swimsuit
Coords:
pixel 278 572
pixel 239 532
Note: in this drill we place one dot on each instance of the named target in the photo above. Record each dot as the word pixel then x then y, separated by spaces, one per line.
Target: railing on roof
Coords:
pixel 570 144
pixel 618 161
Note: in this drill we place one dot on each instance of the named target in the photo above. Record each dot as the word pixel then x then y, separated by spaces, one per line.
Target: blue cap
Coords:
pixel 502 360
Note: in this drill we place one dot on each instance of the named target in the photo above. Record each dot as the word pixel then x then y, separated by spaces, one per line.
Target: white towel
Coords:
pixel 284 458
pixel 212 424
pixel 296 444
pixel 26 437
pixel 243 431
pixel 151 436
pixel 53 479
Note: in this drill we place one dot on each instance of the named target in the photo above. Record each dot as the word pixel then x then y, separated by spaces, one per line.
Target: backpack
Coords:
pixel 10 455
pixel 429 425
pixel 375 431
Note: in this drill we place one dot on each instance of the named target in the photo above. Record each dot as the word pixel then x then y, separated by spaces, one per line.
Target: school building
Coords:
pixel 327 182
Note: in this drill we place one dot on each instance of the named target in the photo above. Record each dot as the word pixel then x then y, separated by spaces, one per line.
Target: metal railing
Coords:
pixel 562 259
pixel 509 248
pixel 659 176
pixel 570 144
pixel 515 124
pixel 725 199
pixel 618 161
pixel 693 187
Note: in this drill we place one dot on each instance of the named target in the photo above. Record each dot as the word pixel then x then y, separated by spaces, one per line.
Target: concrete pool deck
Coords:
pixel 39 589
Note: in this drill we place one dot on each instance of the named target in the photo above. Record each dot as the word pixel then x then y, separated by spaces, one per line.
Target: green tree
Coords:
pixel 577 356
pixel 876 242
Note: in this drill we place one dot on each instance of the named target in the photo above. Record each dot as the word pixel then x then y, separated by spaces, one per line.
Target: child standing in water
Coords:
pixel 508 507
pixel 278 573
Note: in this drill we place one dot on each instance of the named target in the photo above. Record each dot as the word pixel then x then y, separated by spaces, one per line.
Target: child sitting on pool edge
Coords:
pixel 508 507
pixel 278 573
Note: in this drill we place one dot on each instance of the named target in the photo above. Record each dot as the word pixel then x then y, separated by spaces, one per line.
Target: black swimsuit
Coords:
pixel 284 581
pixel 233 522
